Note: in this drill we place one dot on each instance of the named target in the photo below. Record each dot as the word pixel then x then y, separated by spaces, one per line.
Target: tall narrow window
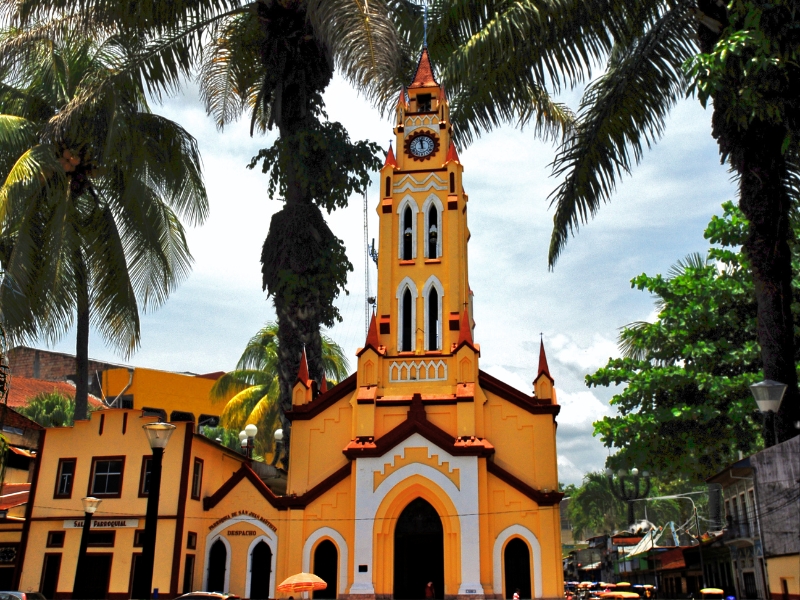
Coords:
pixel 433 232
pixel 197 478
pixel 408 237
pixel 433 319
pixel 407 307
pixel 66 476
pixel 144 478
pixel 452 183
pixel 388 190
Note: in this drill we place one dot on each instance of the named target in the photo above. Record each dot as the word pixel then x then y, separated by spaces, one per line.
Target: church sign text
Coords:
pixel 242 513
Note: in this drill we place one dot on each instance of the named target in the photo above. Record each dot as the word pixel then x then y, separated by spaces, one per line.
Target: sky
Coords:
pixel 656 217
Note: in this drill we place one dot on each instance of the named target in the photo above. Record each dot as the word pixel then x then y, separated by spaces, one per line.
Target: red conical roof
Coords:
pixel 401 101
pixel 324 387
pixel 373 341
pixel 452 155
pixel 543 368
pixel 424 75
pixel 464 330
pixel 302 372
pixel 391 161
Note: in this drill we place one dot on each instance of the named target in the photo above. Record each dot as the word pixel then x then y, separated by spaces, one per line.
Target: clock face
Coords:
pixel 422 146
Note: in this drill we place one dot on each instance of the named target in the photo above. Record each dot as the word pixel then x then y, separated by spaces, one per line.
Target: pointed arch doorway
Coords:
pixel 418 551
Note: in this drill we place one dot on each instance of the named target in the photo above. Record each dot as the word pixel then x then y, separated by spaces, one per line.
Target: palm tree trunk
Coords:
pixel 766 204
pixel 82 343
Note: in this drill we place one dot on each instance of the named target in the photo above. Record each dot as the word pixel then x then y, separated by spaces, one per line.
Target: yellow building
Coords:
pixel 172 396
pixel 417 468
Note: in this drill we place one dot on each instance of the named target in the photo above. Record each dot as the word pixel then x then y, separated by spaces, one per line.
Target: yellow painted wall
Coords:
pixel 163 389
pixel 780 569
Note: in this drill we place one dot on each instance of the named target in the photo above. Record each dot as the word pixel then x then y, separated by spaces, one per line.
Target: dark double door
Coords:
pixel 418 552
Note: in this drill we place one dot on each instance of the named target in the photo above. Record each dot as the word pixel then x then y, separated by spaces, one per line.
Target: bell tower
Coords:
pixel 423 287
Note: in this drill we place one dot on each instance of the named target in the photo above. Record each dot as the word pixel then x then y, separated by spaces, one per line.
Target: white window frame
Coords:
pixel 433 282
pixel 434 200
pixel 407 201
pixel 407 282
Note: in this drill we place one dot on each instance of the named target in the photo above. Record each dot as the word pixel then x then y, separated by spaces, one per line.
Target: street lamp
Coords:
pixel 629 493
pixel 278 437
pixel 157 435
pixel 81 575
pixel 247 439
pixel 768 395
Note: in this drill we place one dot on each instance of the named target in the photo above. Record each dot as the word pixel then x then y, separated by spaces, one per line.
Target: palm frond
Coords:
pixel 621 113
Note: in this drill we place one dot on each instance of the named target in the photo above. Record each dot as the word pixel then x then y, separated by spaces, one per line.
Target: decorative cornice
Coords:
pixel 513 395
pixel 538 496
pixel 304 412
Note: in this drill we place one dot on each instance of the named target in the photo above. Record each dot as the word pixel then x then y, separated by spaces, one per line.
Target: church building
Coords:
pixel 417 468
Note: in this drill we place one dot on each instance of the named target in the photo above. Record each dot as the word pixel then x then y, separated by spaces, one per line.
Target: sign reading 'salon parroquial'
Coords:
pixel 102 523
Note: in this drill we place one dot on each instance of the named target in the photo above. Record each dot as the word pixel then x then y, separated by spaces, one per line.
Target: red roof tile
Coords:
pixel 23 389
pixel 452 155
pixel 391 161
pixel 424 76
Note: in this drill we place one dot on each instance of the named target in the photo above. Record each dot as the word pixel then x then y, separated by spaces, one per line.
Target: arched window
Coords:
pixel 407 309
pixel 433 232
pixel 408 234
pixel 217 565
pixel 517 561
pixel 326 565
pixel 433 293
pixel 388 187
pixel 452 183
pixel 433 319
pixel 260 570
pixel 433 210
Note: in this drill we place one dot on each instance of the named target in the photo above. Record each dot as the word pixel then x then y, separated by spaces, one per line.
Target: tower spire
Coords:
pixel 302 371
pixel 425 28
pixel 543 368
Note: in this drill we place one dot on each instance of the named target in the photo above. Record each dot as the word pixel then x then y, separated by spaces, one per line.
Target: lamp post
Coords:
pixel 157 435
pixel 81 575
pixel 629 493
pixel 768 395
pixel 247 439
pixel 278 437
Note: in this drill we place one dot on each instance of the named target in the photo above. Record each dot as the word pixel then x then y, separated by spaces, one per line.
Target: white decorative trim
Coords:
pixel 341 547
pixel 408 183
pixel 464 499
pixel 214 535
pixel 433 282
pixel 210 541
pixel 420 122
pixel 433 199
pixel 536 557
pixel 407 282
pixel 272 565
pixel 406 371
pixel 407 202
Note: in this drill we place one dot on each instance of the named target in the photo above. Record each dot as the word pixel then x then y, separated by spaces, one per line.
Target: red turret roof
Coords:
pixel 465 332
pixel 401 101
pixel 543 368
pixel 302 372
pixel 373 341
pixel 452 155
pixel 424 75
pixel 324 387
pixel 391 161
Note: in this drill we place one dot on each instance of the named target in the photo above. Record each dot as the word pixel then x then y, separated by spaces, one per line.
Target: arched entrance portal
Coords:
pixel 418 551
pixel 260 570
pixel 217 559
pixel 326 560
pixel 517 560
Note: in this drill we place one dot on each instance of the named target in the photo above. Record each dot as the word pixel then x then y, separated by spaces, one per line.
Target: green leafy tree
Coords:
pixel 94 187
pixel 504 55
pixel 252 390
pixel 50 409
pixel 271 59
pixel 686 408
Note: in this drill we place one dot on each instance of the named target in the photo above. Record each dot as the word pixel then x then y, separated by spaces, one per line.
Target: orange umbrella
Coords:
pixel 628 594
pixel 608 585
pixel 712 591
pixel 623 584
pixel 302 582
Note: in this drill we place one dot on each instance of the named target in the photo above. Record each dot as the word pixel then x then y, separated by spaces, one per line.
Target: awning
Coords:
pixel 591 567
pixel 22 452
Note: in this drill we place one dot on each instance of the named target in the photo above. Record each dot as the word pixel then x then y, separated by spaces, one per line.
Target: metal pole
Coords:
pixel 143 574
pixel 699 542
pixel 78 587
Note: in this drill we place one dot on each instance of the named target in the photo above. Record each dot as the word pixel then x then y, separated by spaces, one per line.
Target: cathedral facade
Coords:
pixel 417 469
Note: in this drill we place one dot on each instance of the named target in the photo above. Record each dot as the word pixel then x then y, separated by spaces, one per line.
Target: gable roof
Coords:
pixel 417 422
pixel 513 395
pixel 304 412
pixel 22 389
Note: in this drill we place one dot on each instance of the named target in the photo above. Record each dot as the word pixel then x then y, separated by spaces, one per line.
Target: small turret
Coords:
pixel 303 389
pixel 452 155
pixel 391 161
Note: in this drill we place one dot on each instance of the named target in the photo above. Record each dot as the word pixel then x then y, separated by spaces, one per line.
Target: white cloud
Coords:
pixel 506 376
pixel 581 408
pixel 588 357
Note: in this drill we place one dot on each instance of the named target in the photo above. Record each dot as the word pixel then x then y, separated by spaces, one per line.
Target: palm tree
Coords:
pixel 256 389
pixel 94 187
pixel 742 56
pixel 272 59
